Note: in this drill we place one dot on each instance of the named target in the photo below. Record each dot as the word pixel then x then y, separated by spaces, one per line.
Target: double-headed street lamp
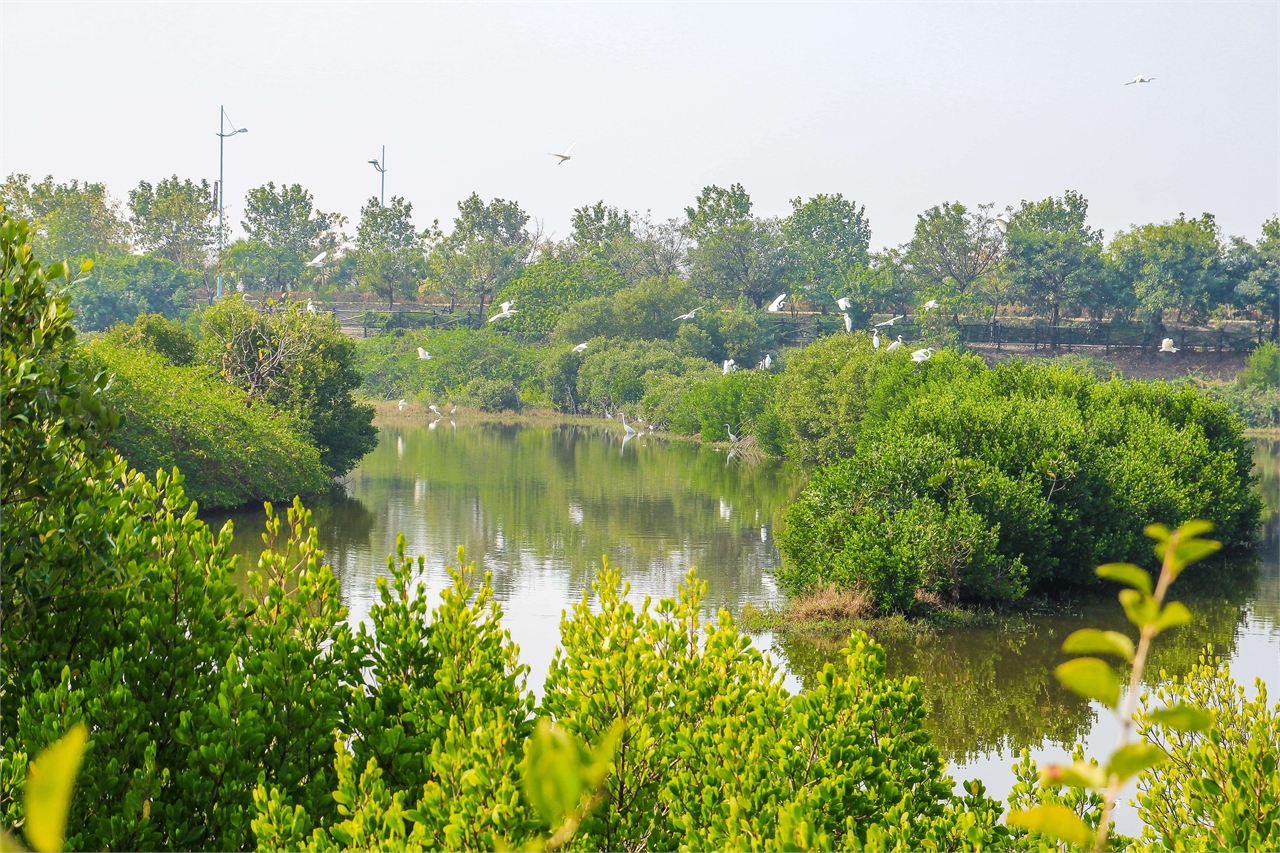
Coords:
pixel 381 166
pixel 223 121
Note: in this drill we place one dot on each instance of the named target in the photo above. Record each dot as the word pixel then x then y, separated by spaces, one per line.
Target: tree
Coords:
pixel 737 255
pixel 718 209
pixel 1171 266
pixel 390 251
pixel 120 288
pixel 830 236
pixel 1254 269
pixel 1053 256
pixel 488 248
pixel 596 226
pixel 954 247
pixel 73 221
pixel 177 220
pixel 285 231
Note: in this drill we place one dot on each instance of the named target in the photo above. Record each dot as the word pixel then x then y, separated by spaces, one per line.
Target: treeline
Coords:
pixel 1041 258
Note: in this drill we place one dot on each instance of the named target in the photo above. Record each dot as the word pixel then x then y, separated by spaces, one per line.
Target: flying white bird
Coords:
pixel 565 156
pixel 1002 222
pixel 844 302
pixel 932 303
pixel 1167 345
pixel 423 354
pixel 402 405
pixel 318 260
pixel 848 322
pixel 890 321
pixel 689 316
pixel 776 305
pixel 895 345
pixel 728 367
pixel 435 411
pixel 580 348
pixel 922 355
pixel 1140 79
pixel 875 339
pixel 506 312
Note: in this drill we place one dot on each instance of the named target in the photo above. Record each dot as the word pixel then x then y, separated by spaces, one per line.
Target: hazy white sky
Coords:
pixel 898 105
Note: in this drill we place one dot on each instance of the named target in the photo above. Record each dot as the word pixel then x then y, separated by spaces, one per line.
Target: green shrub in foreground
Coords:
pixel 232 449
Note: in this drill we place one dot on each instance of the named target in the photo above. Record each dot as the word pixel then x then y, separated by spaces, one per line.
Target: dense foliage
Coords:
pixel 950 481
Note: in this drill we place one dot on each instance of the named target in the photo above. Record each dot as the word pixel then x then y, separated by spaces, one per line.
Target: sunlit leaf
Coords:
pixel 1092 678
pixel 1191 551
pixel 1194 527
pixel 1126 573
pixel 558 774
pixel 1132 758
pixel 1182 718
pixel 1081 774
pixel 1055 821
pixel 1159 532
pixel 1091 641
pixel 1174 614
pixel 1139 607
pixel 50 780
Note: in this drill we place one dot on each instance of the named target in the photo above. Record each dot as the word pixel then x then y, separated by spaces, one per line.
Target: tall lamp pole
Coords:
pixel 223 121
pixel 381 166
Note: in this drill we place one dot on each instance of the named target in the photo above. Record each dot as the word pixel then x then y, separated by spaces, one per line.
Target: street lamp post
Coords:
pixel 222 186
pixel 381 166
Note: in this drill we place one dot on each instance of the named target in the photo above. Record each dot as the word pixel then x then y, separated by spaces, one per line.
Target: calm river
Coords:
pixel 538 505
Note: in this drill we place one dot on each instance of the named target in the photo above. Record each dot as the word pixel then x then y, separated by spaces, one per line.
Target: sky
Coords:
pixel 900 106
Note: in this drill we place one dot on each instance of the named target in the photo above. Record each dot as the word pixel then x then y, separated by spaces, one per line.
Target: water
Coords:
pixel 537 506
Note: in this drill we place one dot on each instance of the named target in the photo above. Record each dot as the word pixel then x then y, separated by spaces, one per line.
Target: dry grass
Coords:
pixel 831 604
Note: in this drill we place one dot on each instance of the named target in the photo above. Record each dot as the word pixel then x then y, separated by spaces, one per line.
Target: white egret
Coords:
pixel 689 316
pixel 432 425
pixel 890 321
pixel 931 304
pixel 506 312
pixel 435 411
pixel 1140 79
pixel 423 354
pixel 728 367
pixel 765 363
pixel 318 260
pixel 1167 345
pixel 844 302
pixel 922 355
pixel 453 410
pixel 311 307
pixel 776 305
pixel 875 339
pixel 733 438
pixel 848 322
pixel 895 345
pixel 1002 222
pixel 402 405
pixel 627 428
pixel 506 306
pixel 565 156
pixel 580 348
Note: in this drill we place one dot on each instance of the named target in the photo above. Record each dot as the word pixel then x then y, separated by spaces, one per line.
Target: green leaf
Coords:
pixel 50 780
pixel 1191 551
pixel 1091 678
pixel 558 775
pixel 1091 641
pixel 1081 774
pixel 1194 527
pixel 1131 759
pixel 1182 718
pixel 1055 821
pixel 1174 614
pixel 1159 532
pixel 1126 573
pixel 1139 607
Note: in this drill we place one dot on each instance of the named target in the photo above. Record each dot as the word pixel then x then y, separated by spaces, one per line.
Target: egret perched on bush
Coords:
pixel 728 367
pixel 776 305
pixel 848 322
pixel 1167 345
pixel 582 347
pixel 423 354
pixel 922 355
pixel 875 339
pixel 895 345
pixel 765 363
pixel 311 307
pixel 689 316
pixel 890 321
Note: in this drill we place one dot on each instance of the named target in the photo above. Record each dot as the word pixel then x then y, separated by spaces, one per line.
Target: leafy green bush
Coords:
pixel 391 367
pixel 712 401
pixel 159 334
pixel 616 374
pixel 120 288
pixel 1262 370
pixel 298 362
pixel 951 479
pixel 231 449
pixel 548 289
pixel 491 395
